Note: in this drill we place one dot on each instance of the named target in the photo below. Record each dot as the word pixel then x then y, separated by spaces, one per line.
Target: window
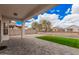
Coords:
pixel 5 29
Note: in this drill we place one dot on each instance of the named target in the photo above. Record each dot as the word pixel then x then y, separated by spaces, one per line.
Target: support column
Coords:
pixel 22 30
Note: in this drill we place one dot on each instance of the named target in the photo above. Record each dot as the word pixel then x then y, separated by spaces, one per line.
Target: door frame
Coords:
pixel 0 30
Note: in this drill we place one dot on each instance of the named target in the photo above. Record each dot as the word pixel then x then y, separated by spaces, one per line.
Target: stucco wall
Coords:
pixel 4 37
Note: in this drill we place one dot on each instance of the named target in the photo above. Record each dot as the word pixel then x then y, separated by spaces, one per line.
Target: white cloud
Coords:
pixel 53 18
pixel 68 10
pixel 28 24
pixel 75 8
pixel 69 20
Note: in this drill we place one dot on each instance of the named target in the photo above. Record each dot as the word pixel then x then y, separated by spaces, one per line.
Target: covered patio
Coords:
pixel 9 14
pixel 27 44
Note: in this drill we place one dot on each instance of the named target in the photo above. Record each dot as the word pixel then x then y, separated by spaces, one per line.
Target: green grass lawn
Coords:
pixel 72 42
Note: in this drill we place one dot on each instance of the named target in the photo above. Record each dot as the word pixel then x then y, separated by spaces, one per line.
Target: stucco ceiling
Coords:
pixel 24 11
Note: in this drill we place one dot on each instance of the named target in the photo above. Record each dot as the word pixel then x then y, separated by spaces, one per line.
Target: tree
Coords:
pixel 48 26
pixel 44 25
pixel 40 27
pixel 35 26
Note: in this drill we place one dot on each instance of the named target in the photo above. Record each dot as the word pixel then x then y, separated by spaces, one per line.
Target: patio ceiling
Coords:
pixel 23 11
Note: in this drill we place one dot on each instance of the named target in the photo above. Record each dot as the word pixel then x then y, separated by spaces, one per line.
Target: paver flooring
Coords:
pixel 30 45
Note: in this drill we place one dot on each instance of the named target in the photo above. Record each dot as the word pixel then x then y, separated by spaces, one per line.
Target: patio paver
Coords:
pixel 30 45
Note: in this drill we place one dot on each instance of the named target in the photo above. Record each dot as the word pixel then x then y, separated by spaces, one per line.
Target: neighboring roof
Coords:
pixel 73 26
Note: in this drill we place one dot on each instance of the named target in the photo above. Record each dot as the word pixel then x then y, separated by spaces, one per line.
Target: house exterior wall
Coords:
pixel 69 30
pixel 4 37
pixel 75 29
pixel 58 30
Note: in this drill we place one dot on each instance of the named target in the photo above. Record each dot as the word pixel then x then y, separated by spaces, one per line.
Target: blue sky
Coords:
pixel 62 10
pixel 19 23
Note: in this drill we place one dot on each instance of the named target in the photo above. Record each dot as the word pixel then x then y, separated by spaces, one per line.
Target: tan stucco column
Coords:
pixel 23 28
